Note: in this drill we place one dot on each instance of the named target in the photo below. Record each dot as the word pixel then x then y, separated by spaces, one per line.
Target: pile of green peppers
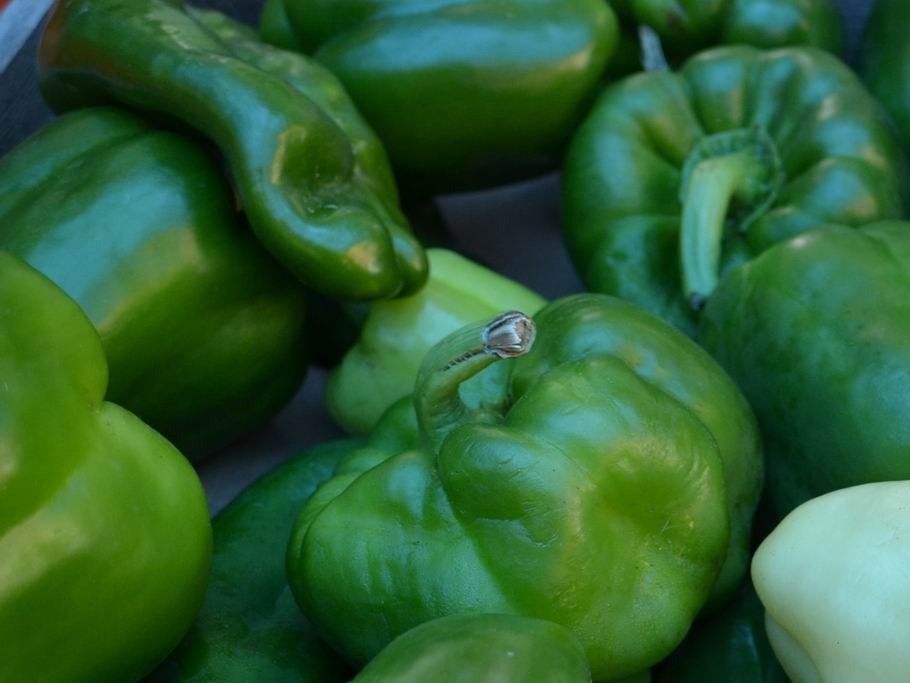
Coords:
pixel 696 470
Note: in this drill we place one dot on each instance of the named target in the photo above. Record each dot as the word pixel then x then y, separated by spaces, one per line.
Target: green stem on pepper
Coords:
pixel 652 50
pixel 456 359
pixel 729 177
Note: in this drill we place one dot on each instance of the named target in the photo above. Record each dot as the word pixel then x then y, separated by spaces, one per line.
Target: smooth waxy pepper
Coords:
pixel 312 177
pixel 462 92
pixel 815 333
pixel 676 178
pixel 397 334
pixel 483 648
pixel 603 480
pixel 833 579
pixel 203 331
pixel 249 627
pixel 104 531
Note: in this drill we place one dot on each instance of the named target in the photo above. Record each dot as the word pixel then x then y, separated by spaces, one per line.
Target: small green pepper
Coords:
pixel 203 332
pixel 104 531
pixel 464 93
pixel 483 648
pixel 604 481
pixel 249 628
pixel 676 178
pixel 312 177
pixel 397 335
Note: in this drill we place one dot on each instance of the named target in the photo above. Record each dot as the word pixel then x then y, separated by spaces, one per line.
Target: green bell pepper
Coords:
pixel 686 26
pixel 815 333
pixel 885 61
pixel 728 647
pixel 312 177
pixel 464 93
pixel 605 482
pixel 104 531
pixel 397 335
pixel 833 578
pixel 249 628
pixel 482 648
pixel 676 178
pixel 203 332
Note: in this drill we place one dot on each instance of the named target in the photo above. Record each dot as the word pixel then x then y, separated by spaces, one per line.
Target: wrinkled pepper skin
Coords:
pixel 104 532
pixel 483 648
pixel 833 579
pixel 614 466
pixel 492 89
pixel 885 61
pixel 686 26
pixel 250 628
pixel 815 333
pixel 742 148
pixel 312 177
pixel 203 331
pixel 397 335
pixel 729 647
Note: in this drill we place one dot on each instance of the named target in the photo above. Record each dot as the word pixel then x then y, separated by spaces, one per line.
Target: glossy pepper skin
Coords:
pixel 815 333
pixel 203 331
pixel 614 465
pixel 492 89
pixel 482 648
pixel 250 628
pixel 833 579
pixel 686 26
pixel 675 178
pixel 312 178
pixel 885 61
pixel 728 647
pixel 104 532
pixel 397 335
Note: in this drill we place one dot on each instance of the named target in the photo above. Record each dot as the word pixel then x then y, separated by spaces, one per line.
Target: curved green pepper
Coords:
pixel 312 177
pixel 729 647
pixel 833 578
pixel 885 61
pixel 137 225
pixel 250 628
pixel 464 93
pixel 605 482
pixel 676 178
pixel 815 333
pixel 686 26
pixel 483 648
pixel 104 531
pixel 398 334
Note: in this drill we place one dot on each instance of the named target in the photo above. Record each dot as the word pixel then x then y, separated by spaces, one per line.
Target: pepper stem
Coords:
pixel 730 178
pixel 456 359
pixel 652 50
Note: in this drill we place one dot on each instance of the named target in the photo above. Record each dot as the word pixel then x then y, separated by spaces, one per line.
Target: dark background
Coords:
pixel 514 230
